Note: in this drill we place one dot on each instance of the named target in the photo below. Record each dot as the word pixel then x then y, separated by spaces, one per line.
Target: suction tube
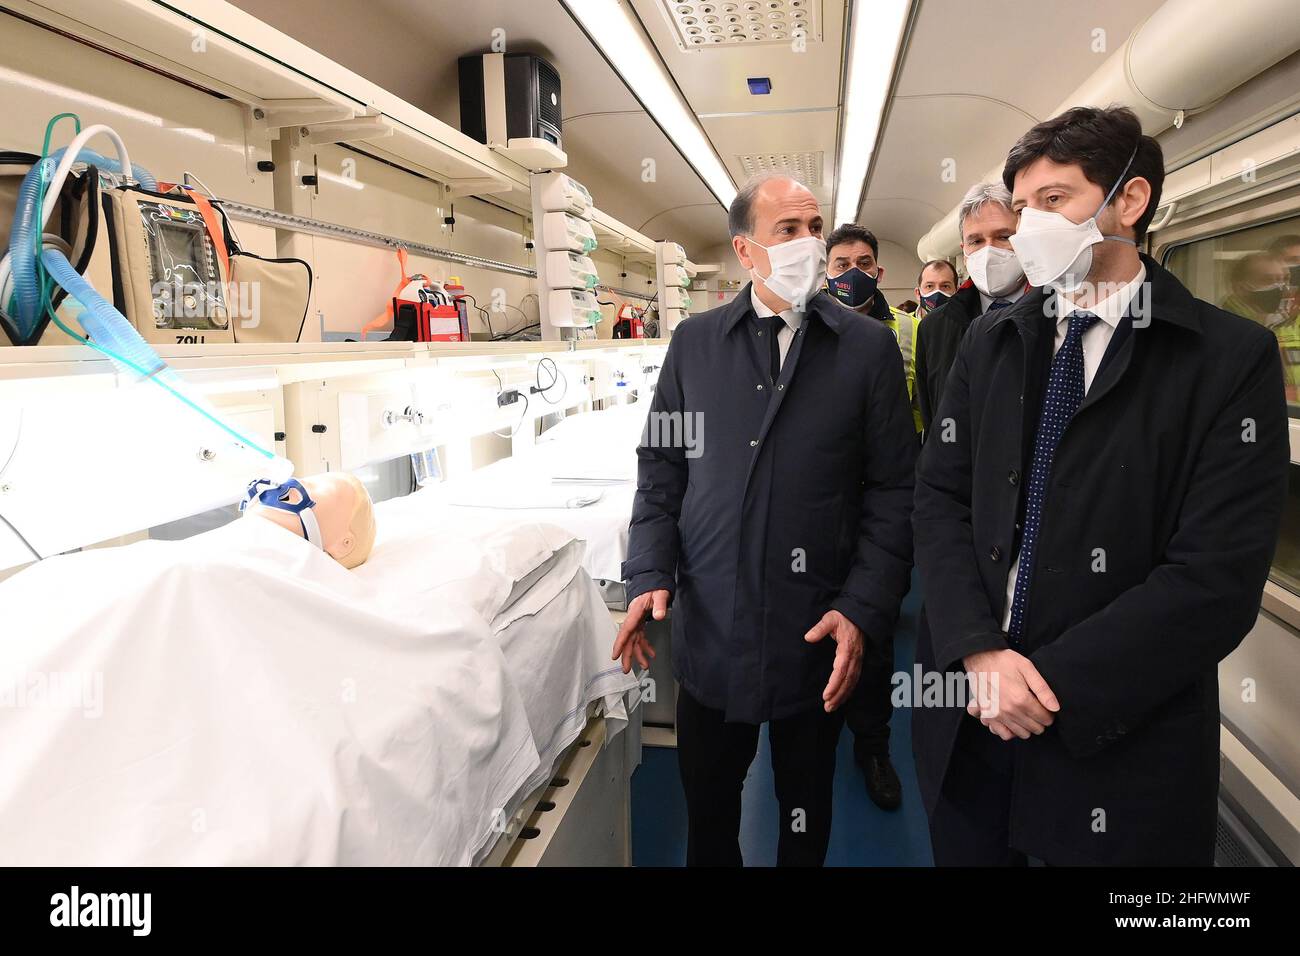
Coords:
pixel 21 261
pixel 111 334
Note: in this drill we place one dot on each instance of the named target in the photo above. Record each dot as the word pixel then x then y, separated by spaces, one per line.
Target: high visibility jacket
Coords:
pixel 1287 331
pixel 904 326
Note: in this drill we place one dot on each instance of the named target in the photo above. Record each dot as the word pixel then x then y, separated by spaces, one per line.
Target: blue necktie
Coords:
pixel 1064 396
pixel 999 304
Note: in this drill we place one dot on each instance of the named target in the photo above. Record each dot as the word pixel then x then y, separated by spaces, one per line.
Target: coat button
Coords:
pixel 1013 477
pixel 753 443
pixel 780 387
pixel 759 387
pixel 995 553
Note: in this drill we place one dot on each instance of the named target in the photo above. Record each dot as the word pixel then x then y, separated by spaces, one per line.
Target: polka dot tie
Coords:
pixel 1064 396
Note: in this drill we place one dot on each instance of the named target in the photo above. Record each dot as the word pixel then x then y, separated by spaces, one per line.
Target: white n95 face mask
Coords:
pixel 995 271
pixel 1055 251
pixel 798 269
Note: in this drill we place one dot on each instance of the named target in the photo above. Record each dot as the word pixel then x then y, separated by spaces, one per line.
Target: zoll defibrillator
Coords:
pixel 163 254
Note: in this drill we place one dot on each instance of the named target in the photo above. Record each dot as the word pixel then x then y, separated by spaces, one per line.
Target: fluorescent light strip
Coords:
pixel 877 31
pixel 614 28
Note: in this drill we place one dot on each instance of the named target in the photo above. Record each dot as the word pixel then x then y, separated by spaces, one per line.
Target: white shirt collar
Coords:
pixel 988 300
pixel 789 316
pixel 1110 309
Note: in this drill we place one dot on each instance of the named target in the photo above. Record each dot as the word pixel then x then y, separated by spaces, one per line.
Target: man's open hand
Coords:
pixel 631 640
pixel 848 656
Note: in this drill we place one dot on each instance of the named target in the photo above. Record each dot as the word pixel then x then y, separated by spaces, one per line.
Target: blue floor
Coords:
pixel 861 835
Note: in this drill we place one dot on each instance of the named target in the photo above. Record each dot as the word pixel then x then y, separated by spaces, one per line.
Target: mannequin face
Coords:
pixel 343 511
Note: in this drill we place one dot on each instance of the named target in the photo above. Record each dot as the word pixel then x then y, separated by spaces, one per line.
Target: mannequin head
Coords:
pixel 343 510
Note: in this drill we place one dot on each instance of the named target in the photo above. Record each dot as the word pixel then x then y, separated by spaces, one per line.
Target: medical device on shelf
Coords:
pixel 571 270
pixel 565 194
pixel 422 309
pixel 674 282
pixel 564 238
pixel 162 253
pixel 511 102
pixel 177 437
pixel 630 323
pixel 174 280
pixel 573 308
pixel 562 231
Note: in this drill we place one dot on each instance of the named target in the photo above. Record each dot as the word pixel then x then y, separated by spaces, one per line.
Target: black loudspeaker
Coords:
pixel 505 96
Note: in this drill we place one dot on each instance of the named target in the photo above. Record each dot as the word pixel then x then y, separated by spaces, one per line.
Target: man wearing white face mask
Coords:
pixel 1095 533
pixel 781 536
pixel 986 223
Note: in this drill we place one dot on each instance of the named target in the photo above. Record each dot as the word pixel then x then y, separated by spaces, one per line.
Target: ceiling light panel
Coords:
pixel 715 24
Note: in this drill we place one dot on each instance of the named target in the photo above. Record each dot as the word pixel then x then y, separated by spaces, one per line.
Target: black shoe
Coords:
pixel 883 785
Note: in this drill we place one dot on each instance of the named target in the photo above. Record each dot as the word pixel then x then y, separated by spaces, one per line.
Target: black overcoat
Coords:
pixel 1162 513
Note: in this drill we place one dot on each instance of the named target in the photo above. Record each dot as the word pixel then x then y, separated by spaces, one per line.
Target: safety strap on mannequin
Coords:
pixel 271 495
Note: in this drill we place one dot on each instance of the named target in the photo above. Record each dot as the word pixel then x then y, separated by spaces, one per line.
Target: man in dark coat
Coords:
pixel 772 510
pixel 1096 511
pixel 853 274
pixel 986 224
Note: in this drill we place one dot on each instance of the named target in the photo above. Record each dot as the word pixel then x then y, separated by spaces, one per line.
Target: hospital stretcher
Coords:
pixel 581 476
pixel 259 704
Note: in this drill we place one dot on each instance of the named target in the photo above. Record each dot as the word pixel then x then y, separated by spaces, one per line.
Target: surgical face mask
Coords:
pixel 1265 301
pixel 995 271
pixel 291 497
pixel 932 300
pixel 1056 251
pixel 798 269
pixel 852 287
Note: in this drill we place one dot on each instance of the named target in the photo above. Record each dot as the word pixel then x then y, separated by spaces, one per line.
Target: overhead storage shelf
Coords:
pixel 292 85
pixel 288 84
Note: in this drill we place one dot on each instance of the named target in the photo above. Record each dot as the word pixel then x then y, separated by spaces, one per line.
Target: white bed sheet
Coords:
pixel 376 724
pixel 602 525
pixel 555 632
pixel 585 456
pixel 559 658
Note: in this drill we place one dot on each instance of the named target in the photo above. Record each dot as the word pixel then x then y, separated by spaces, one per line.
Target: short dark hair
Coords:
pixel 852 232
pixel 1099 142
pixel 937 262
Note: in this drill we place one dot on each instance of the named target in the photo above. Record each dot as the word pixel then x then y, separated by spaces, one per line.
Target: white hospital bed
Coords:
pixel 583 457
pixel 581 476
pixel 238 697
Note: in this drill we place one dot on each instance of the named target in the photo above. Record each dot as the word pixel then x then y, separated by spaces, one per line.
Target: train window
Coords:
pixel 1286 560
pixel 1254 272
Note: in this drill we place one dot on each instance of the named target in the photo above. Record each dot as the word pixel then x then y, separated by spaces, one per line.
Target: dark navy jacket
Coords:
pixel 937 339
pixel 794 499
